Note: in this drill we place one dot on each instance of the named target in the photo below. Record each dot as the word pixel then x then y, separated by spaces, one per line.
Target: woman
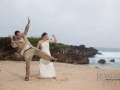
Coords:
pixel 46 68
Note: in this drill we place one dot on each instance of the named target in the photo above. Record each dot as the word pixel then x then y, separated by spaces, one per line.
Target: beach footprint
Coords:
pixel 64 79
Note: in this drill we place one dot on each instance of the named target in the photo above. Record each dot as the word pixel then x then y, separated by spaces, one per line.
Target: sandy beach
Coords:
pixel 69 77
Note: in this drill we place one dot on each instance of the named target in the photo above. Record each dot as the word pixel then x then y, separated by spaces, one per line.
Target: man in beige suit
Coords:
pixel 26 49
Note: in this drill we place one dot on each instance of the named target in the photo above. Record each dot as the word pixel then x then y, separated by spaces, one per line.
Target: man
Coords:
pixel 26 49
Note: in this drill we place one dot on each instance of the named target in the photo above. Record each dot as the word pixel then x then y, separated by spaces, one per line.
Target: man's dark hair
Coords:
pixel 16 32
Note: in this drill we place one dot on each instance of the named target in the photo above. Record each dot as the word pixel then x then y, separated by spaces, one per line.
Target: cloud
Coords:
pixel 91 22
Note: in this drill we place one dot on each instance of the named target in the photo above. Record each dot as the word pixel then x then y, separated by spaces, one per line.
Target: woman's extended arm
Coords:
pixel 53 41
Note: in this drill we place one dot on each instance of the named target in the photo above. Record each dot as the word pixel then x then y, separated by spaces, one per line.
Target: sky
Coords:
pixel 94 23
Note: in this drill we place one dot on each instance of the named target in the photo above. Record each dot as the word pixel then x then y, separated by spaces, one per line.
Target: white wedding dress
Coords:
pixel 46 68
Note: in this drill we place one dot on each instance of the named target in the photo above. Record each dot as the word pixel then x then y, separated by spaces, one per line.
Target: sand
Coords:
pixel 69 77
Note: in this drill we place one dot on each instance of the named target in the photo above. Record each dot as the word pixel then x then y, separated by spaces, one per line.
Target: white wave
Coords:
pixel 107 56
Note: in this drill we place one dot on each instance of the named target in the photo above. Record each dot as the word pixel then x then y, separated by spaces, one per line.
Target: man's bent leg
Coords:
pixel 43 55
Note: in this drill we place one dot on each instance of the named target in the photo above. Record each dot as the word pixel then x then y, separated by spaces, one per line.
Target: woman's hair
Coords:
pixel 43 34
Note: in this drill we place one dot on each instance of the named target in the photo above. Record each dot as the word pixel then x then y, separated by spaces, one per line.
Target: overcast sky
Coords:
pixel 94 23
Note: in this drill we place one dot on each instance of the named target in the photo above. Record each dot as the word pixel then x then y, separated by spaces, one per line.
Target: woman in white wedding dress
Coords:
pixel 46 68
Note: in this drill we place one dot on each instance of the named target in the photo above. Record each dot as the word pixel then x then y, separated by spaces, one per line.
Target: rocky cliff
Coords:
pixel 75 54
pixel 68 54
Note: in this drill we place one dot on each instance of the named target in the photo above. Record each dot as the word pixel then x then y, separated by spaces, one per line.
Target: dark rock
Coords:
pixel 96 67
pixel 92 52
pixel 99 53
pixel 101 61
pixel 75 54
pixel 112 60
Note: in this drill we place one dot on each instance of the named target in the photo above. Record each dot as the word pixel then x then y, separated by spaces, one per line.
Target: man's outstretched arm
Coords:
pixel 14 45
pixel 27 27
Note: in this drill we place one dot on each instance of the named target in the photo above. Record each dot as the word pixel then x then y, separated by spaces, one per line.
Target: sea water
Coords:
pixel 107 54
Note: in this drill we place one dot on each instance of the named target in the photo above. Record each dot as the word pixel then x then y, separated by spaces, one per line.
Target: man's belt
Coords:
pixel 27 49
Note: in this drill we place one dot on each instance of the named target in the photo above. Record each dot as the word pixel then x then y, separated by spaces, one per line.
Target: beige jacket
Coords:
pixel 20 44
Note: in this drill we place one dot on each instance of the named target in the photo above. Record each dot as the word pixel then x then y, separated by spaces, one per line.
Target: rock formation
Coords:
pixel 112 60
pixel 102 61
pixel 75 54
pixel 71 54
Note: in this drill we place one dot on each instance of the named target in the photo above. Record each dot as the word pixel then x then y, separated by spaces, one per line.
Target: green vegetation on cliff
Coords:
pixel 5 44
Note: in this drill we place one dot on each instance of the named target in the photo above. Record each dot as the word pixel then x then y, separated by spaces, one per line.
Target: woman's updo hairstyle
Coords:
pixel 43 34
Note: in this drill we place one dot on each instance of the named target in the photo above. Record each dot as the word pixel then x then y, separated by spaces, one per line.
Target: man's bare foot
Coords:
pixel 54 77
pixel 54 59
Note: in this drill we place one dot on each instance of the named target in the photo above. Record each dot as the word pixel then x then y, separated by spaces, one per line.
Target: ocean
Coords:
pixel 107 54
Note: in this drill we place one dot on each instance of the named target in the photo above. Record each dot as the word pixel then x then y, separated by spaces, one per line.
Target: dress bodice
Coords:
pixel 45 47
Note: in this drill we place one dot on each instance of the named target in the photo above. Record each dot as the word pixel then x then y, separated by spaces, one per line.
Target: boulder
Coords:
pixel 99 53
pixel 102 61
pixel 96 67
pixel 112 60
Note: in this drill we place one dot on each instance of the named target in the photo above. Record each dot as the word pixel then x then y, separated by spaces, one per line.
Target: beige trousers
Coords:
pixel 28 55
